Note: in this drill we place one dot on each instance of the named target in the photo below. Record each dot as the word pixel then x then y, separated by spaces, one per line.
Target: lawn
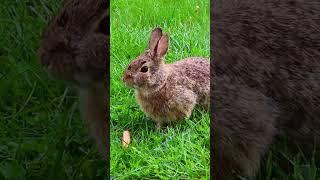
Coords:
pixel 42 135
pixel 177 152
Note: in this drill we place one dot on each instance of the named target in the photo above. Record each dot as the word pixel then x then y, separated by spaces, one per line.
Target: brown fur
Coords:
pixel 266 79
pixel 168 92
pixel 74 48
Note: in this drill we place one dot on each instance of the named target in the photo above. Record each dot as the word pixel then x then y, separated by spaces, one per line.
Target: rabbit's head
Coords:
pixel 74 46
pixel 147 71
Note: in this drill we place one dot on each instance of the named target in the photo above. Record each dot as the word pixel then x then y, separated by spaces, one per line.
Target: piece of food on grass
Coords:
pixel 126 139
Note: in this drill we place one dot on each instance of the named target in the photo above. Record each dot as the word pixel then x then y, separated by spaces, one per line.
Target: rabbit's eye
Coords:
pixel 144 69
pixel 129 67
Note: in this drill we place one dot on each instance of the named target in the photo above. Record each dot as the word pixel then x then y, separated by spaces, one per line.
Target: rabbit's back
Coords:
pixel 195 68
pixel 275 51
pixel 192 73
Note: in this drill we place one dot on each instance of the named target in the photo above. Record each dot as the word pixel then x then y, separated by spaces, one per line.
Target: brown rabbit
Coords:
pixel 168 92
pixel 266 80
pixel 74 48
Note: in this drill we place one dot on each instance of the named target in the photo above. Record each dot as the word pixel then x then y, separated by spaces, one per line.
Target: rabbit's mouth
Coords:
pixel 127 82
pixel 58 70
pixel 127 79
pixel 130 83
pixel 53 69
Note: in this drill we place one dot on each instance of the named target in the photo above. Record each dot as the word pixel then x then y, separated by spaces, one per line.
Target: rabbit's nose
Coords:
pixel 126 76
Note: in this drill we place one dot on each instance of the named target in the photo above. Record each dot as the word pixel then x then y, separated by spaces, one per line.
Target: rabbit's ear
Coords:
pixel 163 45
pixel 154 38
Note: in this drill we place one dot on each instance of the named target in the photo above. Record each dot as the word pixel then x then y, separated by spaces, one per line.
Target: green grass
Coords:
pixel 178 152
pixel 42 135
pixel 287 160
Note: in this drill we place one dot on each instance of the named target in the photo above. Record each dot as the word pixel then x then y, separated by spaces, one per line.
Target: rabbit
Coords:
pixel 265 80
pixel 167 92
pixel 75 48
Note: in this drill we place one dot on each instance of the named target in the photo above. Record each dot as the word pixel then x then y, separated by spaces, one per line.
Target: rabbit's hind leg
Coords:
pixel 182 104
pixel 243 128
